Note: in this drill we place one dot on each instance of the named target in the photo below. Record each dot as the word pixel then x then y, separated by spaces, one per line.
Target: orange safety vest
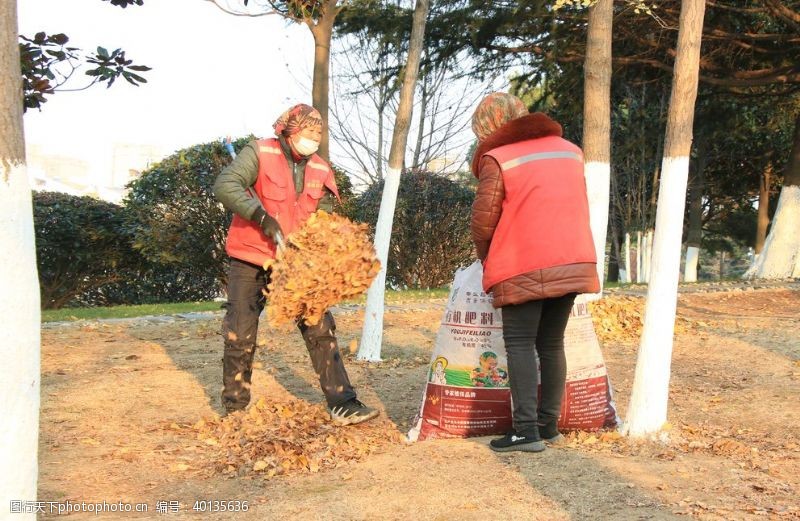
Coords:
pixel 274 187
pixel 545 218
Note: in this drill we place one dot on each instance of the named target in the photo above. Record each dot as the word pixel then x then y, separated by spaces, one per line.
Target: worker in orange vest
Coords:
pixel 272 187
pixel 530 226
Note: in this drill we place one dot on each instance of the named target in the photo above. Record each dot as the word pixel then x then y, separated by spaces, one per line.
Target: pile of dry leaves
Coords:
pixel 328 260
pixel 286 437
pixel 620 318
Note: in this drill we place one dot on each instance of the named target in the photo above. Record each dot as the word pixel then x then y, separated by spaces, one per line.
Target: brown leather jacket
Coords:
pixel 487 209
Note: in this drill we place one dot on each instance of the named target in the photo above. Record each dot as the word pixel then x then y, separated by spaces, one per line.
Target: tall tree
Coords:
pixel 319 16
pixel 597 124
pixel 647 412
pixel 372 333
pixel 20 336
pixel 781 255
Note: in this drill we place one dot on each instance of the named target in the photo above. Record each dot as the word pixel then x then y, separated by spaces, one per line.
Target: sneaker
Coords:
pixel 550 435
pixel 351 412
pixel 517 441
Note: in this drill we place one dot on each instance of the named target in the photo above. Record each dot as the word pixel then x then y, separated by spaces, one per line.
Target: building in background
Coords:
pixel 103 176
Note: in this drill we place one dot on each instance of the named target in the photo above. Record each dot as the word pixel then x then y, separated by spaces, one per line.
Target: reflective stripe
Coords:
pixel 269 150
pixel 513 163
pixel 318 166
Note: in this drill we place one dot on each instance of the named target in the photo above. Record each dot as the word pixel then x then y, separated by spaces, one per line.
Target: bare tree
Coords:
pixel 365 98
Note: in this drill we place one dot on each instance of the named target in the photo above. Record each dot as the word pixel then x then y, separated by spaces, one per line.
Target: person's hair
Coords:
pixel 440 359
pixel 487 355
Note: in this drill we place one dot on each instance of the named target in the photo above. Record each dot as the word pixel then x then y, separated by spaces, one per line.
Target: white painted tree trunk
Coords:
pixel 780 257
pixel 372 332
pixel 690 266
pixel 598 181
pixel 19 299
pixel 597 126
pixel 648 252
pixel 627 257
pixel 647 412
pixel 20 338
pixel 639 257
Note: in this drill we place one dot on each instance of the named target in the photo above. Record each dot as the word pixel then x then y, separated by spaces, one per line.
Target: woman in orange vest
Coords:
pixel 530 226
pixel 272 187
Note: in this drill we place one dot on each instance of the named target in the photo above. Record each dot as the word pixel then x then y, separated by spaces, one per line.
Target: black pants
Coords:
pixel 240 326
pixel 538 324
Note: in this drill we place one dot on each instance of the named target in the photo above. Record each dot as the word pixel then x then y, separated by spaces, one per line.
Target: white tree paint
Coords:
pixel 639 257
pixel 627 258
pixel 598 182
pixel 648 407
pixel 372 333
pixel 20 341
pixel 645 257
pixel 780 257
pixel 690 265
pixel 647 412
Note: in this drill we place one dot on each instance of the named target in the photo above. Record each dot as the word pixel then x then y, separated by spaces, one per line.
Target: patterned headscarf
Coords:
pixel 494 111
pixel 296 119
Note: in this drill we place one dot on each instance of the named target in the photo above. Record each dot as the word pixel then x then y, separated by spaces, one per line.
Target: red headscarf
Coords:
pixel 296 119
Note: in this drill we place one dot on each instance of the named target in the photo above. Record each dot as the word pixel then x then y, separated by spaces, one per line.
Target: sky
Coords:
pixel 213 75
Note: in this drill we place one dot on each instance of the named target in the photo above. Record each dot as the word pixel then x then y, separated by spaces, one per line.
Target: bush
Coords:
pixel 430 234
pixel 85 257
pixel 79 247
pixel 173 216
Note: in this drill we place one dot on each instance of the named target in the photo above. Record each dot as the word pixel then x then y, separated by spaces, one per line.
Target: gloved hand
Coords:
pixel 268 224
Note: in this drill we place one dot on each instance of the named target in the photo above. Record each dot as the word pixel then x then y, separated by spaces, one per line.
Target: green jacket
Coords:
pixel 232 186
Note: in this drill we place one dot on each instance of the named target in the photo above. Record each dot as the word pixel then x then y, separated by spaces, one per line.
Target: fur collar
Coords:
pixel 531 126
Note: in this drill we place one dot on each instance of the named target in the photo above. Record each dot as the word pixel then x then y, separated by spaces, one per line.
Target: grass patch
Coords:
pixel 70 314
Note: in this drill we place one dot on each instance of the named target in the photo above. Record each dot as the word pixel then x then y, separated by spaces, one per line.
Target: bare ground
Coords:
pixel 118 400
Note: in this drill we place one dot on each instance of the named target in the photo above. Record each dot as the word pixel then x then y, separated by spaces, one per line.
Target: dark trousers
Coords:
pixel 540 325
pixel 246 300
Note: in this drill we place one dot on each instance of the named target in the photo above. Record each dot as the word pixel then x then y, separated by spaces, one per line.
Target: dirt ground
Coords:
pixel 120 399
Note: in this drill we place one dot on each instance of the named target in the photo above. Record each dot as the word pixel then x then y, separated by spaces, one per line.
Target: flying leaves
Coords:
pixel 328 260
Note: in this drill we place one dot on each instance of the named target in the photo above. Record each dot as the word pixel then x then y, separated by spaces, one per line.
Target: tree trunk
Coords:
pixel 695 235
pixel 647 411
pixel 614 264
pixel 379 160
pixel 19 307
pixel 627 257
pixel 322 32
pixel 648 255
pixel 763 208
pixel 639 258
pixel 597 125
pixel 421 130
pixel 781 255
pixel 372 333
pixel 721 264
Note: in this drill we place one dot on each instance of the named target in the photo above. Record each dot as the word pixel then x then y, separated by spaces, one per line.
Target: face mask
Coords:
pixel 305 146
